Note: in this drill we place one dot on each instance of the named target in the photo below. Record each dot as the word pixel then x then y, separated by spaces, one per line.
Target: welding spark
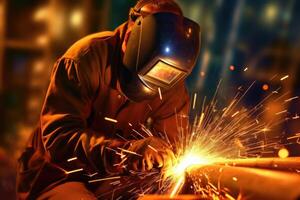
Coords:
pixel 297 135
pixel 237 112
pixel 111 120
pixel 281 112
pixel 151 147
pixel 130 152
pixel 120 197
pixel 104 179
pixel 71 159
pixel 265 129
pixel 296 117
pixel 218 133
pixel 91 175
pixel 74 171
pixel 159 92
pixel 201 119
pixel 121 137
pixel 147 131
pixel 284 77
pixel 138 133
pixel 273 77
pixel 115 182
pixel 291 99
pixel 194 100
pixel 111 149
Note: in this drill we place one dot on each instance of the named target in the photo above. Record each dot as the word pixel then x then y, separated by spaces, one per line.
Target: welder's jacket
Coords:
pixel 83 93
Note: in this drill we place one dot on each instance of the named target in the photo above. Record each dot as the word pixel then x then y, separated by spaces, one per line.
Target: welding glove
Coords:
pixel 151 152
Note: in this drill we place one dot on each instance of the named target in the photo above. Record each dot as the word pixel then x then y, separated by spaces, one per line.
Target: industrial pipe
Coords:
pixel 243 182
pixel 283 164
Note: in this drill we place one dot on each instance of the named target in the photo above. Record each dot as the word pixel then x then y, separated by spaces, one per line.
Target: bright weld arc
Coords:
pixel 177 186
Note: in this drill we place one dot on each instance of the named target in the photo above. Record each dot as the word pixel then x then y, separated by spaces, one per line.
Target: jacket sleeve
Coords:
pixel 67 106
pixel 171 119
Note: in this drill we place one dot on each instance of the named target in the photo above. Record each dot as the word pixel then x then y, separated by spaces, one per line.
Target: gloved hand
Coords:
pixel 152 152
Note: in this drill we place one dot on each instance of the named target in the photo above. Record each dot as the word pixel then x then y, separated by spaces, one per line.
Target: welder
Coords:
pixel 111 94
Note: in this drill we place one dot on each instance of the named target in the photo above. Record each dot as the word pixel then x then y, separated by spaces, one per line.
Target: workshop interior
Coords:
pixel 241 69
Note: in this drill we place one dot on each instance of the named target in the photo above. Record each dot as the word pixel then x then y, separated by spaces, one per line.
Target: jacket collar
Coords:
pixel 115 57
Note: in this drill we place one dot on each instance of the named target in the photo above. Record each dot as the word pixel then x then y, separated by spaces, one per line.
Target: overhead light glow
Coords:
pixel 40 14
pixel 42 40
pixel 76 18
pixel 271 12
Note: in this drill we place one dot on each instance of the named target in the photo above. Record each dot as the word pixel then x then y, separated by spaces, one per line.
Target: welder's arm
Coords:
pixel 66 108
pixel 171 118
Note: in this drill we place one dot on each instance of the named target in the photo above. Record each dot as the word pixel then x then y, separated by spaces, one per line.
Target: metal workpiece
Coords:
pixel 178 197
pixel 291 164
pixel 231 182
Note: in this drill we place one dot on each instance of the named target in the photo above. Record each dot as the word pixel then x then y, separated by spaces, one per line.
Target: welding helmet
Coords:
pixel 161 51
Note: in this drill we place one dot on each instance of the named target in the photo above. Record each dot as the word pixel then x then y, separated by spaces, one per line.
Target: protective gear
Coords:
pixel 151 152
pixel 145 7
pixel 162 50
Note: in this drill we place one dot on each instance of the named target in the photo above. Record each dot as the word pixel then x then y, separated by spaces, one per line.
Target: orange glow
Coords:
pixel 283 153
pixel 232 68
pixel 41 14
pixel 265 87
pixel 42 40
pixel 164 72
pixel 76 18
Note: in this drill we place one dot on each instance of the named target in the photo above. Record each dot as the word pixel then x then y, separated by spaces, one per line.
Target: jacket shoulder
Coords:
pixel 82 46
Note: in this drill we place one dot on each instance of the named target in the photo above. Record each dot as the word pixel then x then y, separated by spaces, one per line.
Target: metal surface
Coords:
pixel 283 164
pixel 179 197
pixel 245 182
pixel 251 179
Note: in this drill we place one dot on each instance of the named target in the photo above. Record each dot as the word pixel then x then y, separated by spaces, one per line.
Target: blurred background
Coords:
pixel 242 41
